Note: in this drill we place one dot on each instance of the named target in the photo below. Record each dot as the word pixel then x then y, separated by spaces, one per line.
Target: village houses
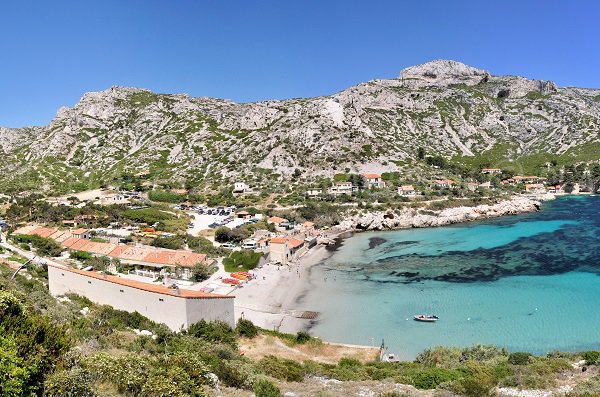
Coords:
pixel 406 190
pixel 373 181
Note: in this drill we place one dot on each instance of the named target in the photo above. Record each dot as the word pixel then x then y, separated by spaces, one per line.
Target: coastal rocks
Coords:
pixel 413 218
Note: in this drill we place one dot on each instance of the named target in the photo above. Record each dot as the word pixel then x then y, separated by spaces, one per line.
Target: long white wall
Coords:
pixel 175 311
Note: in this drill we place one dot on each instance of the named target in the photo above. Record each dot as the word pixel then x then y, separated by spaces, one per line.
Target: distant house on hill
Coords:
pixel 341 188
pixel 373 181
pixel 406 190
pixel 491 171
pixel 444 183
pixel 240 188
pixel 312 192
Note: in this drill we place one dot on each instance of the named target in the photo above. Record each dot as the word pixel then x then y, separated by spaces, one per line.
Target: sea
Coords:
pixel 527 282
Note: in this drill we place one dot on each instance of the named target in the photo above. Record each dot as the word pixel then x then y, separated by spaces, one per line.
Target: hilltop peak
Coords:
pixel 442 68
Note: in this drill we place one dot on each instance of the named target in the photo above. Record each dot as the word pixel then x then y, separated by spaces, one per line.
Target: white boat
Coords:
pixel 426 318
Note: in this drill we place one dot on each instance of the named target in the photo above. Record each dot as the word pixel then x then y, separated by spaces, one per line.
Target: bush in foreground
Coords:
pixel 246 328
pixel 265 388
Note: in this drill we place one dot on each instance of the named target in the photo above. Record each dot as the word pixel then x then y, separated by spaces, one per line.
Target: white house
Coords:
pixel 373 181
pixel 444 183
pixel 491 171
pixel 312 192
pixel 406 190
pixel 240 188
pixel 341 188
pixel 284 249
pixel 175 307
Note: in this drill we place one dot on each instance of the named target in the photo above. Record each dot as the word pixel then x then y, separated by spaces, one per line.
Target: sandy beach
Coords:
pixel 273 300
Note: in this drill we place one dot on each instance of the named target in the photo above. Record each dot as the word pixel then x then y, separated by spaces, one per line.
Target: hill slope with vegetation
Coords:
pixel 464 115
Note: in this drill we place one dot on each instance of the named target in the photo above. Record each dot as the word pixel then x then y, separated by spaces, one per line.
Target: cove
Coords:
pixel 528 282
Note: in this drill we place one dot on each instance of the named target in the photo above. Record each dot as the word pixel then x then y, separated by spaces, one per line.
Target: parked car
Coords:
pixel 250 245
pixel 228 245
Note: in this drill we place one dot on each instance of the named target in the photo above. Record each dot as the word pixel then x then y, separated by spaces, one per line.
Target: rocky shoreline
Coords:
pixel 418 218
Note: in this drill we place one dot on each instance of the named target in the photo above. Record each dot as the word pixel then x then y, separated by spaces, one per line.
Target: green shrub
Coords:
pixel 519 358
pixel 214 331
pixel 588 388
pixel 266 388
pixel 302 337
pixel 80 255
pixel 591 357
pixel 282 369
pixel 200 272
pixel 238 374
pixel 246 328
pixel 165 196
pixel 171 242
pixel 440 356
pixel 43 246
pixel 242 261
pixel 482 353
pixel 75 382
pixel 479 382
pixel 430 378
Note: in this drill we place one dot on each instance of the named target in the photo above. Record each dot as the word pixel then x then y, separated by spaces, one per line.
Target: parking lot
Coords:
pixel 210 218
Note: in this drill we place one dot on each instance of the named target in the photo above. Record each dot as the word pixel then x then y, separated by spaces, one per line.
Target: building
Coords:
pixel 555 189
pixel 177 308
pixel 406 190
pixel 536 188
pixel 81 233
pixel 373 181
pixel 491 171
pixel 472 186
pixel 485 185
pixel 312 192
pixel 284 249
pixel 444 183
pixel 277 221
pixel 243 215
pixel 145 260
pixel 341 188
pixel 112 199
pixel 240 188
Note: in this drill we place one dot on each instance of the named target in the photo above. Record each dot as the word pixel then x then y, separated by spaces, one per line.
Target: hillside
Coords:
pixel 450 109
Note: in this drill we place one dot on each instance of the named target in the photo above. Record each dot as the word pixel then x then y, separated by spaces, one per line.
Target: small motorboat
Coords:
pixel 426 318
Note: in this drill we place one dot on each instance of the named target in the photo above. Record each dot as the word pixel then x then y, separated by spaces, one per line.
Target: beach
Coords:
pixel 273 299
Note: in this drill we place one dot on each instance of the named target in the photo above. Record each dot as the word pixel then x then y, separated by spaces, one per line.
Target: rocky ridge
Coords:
pixel 415 218
pixel 446 107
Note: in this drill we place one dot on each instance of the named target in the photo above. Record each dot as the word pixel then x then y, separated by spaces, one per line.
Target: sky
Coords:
pixel 52 52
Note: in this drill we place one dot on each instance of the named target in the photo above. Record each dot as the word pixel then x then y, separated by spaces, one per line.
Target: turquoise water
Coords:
pixel 528 282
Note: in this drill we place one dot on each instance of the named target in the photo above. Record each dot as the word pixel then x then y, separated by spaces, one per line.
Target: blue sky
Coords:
pixel 52 52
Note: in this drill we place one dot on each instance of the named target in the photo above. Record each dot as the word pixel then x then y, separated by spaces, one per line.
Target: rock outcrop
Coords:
pixel 418 218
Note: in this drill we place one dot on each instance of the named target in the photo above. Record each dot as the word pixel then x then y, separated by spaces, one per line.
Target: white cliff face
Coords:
pixel 412 218
pixel 446 107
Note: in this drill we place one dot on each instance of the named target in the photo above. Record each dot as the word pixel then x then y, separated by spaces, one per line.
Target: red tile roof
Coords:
pixel 372 176
pixel 276 219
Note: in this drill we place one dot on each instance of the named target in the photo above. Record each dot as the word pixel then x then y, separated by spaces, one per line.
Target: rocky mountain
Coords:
pixel 449 109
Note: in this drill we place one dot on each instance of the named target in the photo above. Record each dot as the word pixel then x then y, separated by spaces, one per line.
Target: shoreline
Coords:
pixel 277 302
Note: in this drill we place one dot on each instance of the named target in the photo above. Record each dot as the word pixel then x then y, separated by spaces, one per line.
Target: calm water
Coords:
pixel 528 282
